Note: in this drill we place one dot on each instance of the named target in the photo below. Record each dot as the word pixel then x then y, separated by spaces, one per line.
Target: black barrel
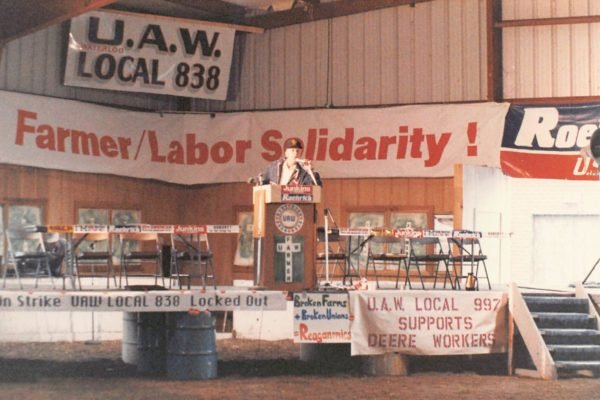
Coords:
pixel 129 344
pixel 129 339
pixel 191 346
pixel 152 343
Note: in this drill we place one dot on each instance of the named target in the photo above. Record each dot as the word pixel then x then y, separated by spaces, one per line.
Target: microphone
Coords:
pixel 303 163
pixel 255 180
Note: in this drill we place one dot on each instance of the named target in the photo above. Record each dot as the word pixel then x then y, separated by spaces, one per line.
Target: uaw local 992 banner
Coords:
pixel 546 141
pixel 410 141
pixel 139 53
pixel 428 323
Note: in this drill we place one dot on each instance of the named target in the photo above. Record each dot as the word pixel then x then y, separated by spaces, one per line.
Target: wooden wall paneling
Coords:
pixel 399 191
pixel 457 184
pixel 416 191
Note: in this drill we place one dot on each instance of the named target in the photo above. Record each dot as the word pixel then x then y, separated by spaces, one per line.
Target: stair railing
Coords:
pixel 581 293
pixel 531 335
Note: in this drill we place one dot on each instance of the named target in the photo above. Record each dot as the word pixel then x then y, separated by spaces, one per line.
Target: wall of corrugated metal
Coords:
pixel 551 60
pixel 432 52
pixel 35 64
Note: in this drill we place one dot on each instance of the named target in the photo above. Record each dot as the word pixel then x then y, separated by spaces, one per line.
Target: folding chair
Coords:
pixel 194 250
pixel 334 254
pixel 466 251
pixel 388 249
pixel 428 251
pixel 25 248
pixel 150 252
pixel 93 249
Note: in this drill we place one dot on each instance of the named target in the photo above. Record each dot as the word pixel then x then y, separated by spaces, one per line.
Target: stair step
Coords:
pixel 546 294
pixel 546 320
pixel 570 336
pixel 571 366
pixel 556 304
pixel 575 352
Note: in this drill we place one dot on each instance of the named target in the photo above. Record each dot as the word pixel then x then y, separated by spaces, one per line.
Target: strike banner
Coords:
pixel 428 322
pixel 410 141
pixel 321 318
pixel 155 301
pixel 546 141
pixel 143 53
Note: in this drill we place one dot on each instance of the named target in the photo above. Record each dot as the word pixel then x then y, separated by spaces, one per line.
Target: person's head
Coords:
pixel 292 148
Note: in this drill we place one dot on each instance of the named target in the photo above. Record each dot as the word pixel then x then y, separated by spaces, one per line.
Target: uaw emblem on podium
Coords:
pixel 289 249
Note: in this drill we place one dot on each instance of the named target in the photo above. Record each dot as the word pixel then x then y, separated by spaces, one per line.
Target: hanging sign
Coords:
pixel 140 53
pixel 546 142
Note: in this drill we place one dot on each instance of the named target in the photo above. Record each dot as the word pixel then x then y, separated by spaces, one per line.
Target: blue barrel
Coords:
pixel 129 344
pixel 191 346
pixel 151 343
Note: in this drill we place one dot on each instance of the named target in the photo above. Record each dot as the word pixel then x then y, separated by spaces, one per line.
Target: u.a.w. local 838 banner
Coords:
pixel 424 141
pixel 428 322
pixel 141 53
pixel 546 141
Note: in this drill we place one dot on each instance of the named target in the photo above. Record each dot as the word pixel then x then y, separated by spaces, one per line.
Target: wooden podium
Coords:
pixel 284 236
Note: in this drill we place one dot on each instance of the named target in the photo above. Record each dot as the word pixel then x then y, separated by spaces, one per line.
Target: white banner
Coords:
pixel 159 301
pixel 428 322
pixel 146 53
pixel 193 149
pixel 321 318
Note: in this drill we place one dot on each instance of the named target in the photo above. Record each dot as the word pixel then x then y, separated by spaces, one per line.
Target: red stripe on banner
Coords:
pixel 548 166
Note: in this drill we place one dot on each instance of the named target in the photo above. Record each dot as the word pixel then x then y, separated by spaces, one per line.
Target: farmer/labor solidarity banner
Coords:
pixel 425 141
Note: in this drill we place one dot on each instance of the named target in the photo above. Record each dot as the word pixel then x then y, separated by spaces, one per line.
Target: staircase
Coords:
pixel 568 328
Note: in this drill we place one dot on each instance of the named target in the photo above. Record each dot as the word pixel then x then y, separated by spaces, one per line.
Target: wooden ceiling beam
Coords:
pixel 314 11
pixel 218 8
pixel 22 17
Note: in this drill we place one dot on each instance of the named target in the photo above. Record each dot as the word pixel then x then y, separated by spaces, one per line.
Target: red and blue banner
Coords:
pixel 545 141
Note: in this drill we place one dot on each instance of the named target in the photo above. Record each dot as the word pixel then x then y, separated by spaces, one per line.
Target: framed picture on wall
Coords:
pixel 90 216
pixel 364 219
pixel 93 216
pixel 244 252
pixel 126 217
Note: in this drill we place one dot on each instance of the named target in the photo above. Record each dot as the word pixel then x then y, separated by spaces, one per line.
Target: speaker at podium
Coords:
pixel 285 236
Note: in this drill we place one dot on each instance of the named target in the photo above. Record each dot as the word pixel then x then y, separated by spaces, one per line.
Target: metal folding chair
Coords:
pixel 427 251
pixel 388 250
pixel 150 252
pixel 26 248
pixel 467 252
pixel 94 249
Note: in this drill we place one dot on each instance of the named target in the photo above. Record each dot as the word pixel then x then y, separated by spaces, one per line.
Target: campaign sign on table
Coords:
pixel 428 322
pixel 321 318
pixel 139 53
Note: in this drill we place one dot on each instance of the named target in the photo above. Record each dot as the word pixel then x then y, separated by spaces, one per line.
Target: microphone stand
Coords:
pixel 327 216
pixel 327 282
